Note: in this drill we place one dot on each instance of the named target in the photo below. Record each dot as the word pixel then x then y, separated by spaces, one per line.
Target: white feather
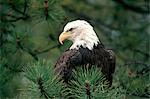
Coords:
pixel 83 34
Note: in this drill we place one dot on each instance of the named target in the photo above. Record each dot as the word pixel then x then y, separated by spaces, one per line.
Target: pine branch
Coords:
pixel 23 15
pixel 16 19
pixel 87 87
pixel 140 96
pixel 89 83
pixel 136 62
pixel 130 93
pixel 43 92
pixel 25 6
pixel 144 53
pixel 46 8
pixel 41 78
pixel 26 50
pixel 145 70
pixel 15 9
pixel 48 49
pixel 132 7
pixel 12 69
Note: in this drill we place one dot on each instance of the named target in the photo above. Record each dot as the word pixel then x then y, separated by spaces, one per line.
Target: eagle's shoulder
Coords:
pixel 72 56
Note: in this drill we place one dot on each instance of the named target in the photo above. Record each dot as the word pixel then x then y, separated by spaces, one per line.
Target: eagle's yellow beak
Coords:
pixel 63 36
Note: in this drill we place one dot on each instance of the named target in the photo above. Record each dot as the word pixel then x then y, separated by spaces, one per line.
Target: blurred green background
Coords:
pixel 29 31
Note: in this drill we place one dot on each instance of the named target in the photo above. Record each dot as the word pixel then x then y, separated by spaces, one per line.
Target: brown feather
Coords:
pixel 99 56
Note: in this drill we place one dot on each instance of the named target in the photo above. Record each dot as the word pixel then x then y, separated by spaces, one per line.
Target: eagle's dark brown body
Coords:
pixel 98 56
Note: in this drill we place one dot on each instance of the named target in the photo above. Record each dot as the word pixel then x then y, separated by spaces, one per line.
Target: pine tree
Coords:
pixel 21 42
pixel 29 48
pixel 42 81
pixel 87 83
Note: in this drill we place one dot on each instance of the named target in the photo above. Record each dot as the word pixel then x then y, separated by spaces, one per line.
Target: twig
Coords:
pixel 141 96
pixel 144 53
pixel 132 7
pixel 26 50
pixel 48 49
pixel 147 55
pixel 25 16
pixel 25 6
pixel 133 94
pixel 12 69
pixel 145 70
pixel 46 8
pixel 15 9
pixel 87 88
pixel 16 19
pixel 43 92
pixel 136 62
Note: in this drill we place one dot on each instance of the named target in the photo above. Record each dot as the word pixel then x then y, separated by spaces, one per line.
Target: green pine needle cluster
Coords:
pixel 90 83
pixel 42 81
pixel 135 84
pixel 87 83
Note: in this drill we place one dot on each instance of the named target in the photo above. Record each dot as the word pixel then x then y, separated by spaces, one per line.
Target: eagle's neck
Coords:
pixel 86 40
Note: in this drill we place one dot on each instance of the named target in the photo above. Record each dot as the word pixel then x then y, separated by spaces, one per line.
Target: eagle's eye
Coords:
pixel 70 29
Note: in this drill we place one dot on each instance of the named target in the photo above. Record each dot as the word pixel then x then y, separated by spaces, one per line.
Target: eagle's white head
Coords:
pixel 81 33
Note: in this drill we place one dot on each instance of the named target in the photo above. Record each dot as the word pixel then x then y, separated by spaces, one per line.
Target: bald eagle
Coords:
pixel 86 50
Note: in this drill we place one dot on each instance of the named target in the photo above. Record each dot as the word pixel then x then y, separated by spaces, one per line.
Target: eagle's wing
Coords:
pixel 72 58
pixel 112 61
pixel 109 68
pixel 66 62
